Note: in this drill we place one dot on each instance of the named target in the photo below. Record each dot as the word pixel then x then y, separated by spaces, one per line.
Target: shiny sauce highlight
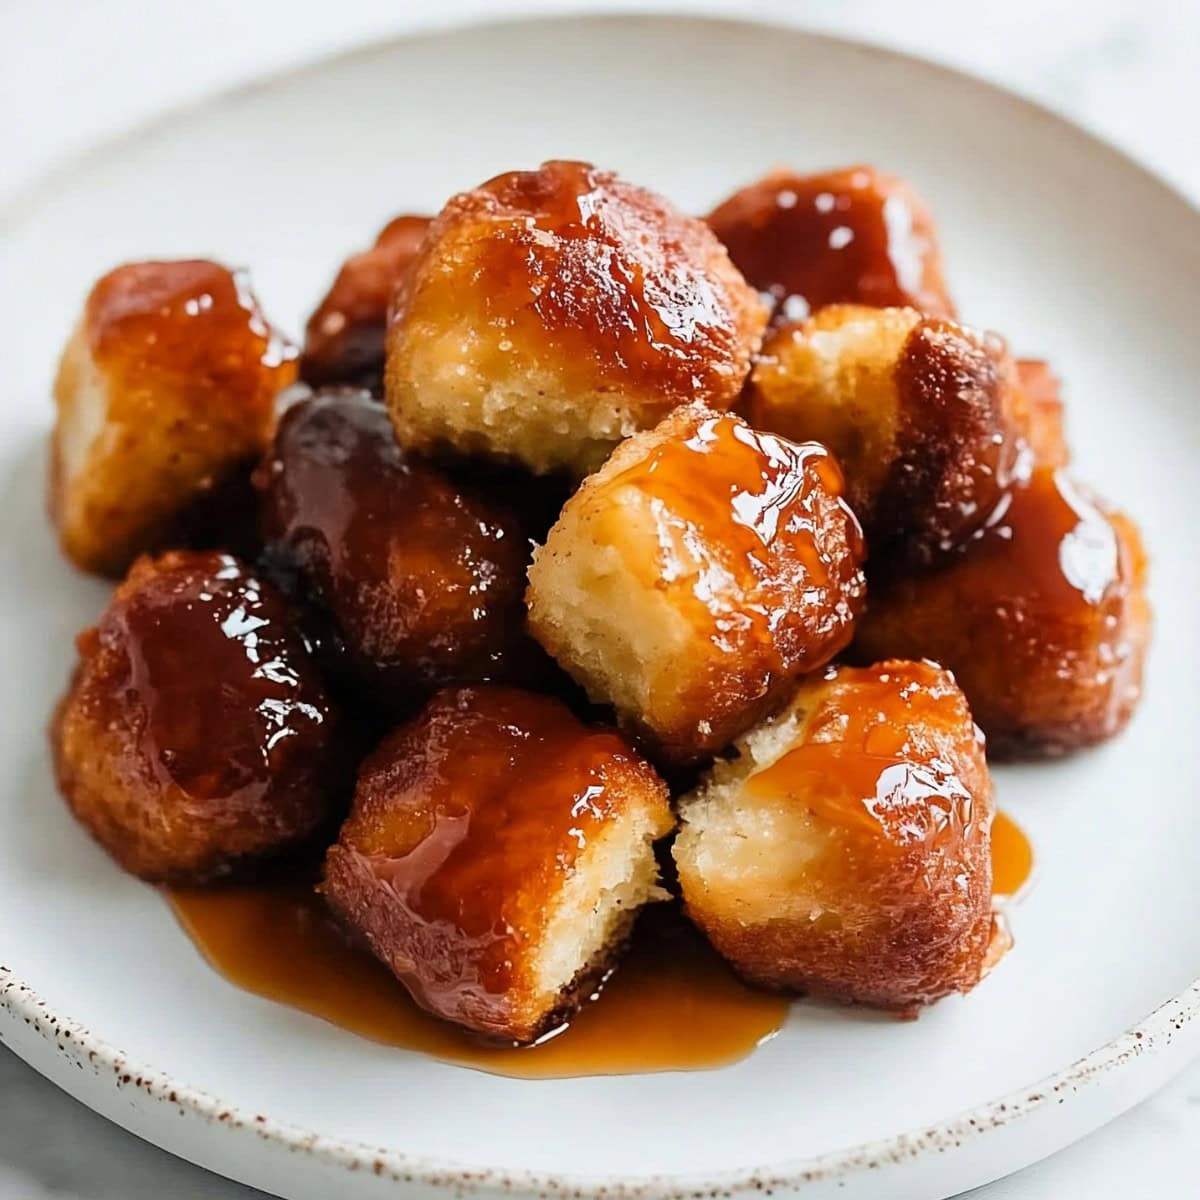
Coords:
pixel 671 1005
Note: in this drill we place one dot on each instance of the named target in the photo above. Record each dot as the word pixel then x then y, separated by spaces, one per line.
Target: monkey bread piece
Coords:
pixel 1047 437
pixel 698 573
pixel 846 850
pixel 195 733
pixel 1042 617
pixel 165 390
pixel 926 417
pixel 496 855
pixel 854 236
pixel 552 313
pixel 344 338
pixel 424 583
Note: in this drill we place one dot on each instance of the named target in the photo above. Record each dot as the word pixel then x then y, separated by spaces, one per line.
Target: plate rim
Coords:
pixel 21 1002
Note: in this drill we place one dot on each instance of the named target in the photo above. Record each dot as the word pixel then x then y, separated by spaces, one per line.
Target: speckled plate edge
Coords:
pixel 67 1052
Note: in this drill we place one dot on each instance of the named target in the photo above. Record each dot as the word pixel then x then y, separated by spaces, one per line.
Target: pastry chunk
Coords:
pixel 1047 437
pixel 552 313
pixel 423 581
pixel 343 341
pixel 195 734
pixel 1042 617
pixel 165 391
pixel 846 850
pixel 496 855
pixel 698 573
pixel 927 418
pixel 855 236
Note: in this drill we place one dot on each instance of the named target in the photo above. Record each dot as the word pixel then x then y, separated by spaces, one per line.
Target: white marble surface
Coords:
pixel 77 72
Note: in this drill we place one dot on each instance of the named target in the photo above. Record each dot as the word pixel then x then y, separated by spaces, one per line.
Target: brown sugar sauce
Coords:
pixel 672 1004
pixel 1012 858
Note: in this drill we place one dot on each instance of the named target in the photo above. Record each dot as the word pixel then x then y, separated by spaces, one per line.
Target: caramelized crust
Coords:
pixel 846 851
pixel 927 418
pixel 854 236
pixel 495 856
pixel 552 313
pixel 1042 617
pixel 424 582
pixel 344 338
pixel 164 392
pixel 1047 437
pixel 195 733
pixel 702 569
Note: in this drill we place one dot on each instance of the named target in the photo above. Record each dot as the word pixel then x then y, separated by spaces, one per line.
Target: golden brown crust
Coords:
pixel 195 734
pixel 699 572
pixel 1047 436
pixel 926 416
pixel 344 337
pixel 552 312
pixel 165 391
pixel 855 236
pixel 865 811
pixel 467 825
pixel 1043 619
pixel 423 581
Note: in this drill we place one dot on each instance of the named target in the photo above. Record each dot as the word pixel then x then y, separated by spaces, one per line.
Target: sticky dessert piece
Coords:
pixel 1042 617
pixel 927 418
pixel 344 337
pixel 1046 432
pixel 551 313
pixel 164 392
pixel 424 581
pixel 698 573
pixel 195 734
pixel 846 850
pixel 496 855
pixel 855 236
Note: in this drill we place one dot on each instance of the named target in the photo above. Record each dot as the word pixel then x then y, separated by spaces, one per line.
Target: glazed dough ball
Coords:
pixel 846 850
pixel 927 418
pixel 1042 617
pixel 196 734
pixel 424 581
pixel 698 573
pixel 344 338
pixel 496 855
pixel 552 313
pixel 855 236
pixel 164 393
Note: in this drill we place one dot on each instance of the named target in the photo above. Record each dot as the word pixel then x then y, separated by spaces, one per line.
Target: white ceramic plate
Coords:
pixel 1061 243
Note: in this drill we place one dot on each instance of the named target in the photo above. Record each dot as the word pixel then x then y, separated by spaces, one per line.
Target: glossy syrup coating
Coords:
pixel 854 236
pixel 845 851
pixel 551 313
pixel 344 337
pixel 696 575
pixel 495 854
pixel 196 733
pixel 927 417
pixel 1042 617
pixel 165 395
pixel 423 581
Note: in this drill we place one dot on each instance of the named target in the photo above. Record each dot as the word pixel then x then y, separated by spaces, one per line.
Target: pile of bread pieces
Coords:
pixel 536 588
